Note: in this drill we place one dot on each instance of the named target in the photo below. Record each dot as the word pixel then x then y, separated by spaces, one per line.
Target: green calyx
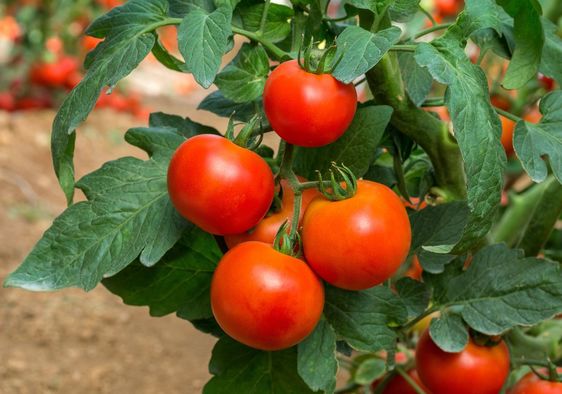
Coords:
pixel 318 61
pixel 251 135
pixel 338 189
pixel 287 243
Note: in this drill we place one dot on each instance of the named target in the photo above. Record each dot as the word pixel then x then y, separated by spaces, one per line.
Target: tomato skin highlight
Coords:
pixel 218 185
pixel 307 109
pixel 474 370
pixel 532 384
pixel 265 299
pixel 358 242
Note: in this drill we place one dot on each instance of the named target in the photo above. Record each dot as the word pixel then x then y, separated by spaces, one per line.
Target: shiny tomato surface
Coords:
pixel 532 384
pixel 307 109
pixel 265 299
pixel 218 185
pixel 358 242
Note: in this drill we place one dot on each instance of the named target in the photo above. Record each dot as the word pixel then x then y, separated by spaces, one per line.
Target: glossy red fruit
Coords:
pixel 307 109
pixel 399 385
pixel 265 299
pixel 54 74
pixel 7 101
pixel 474 370
pixel 218 185
pixel 532 384
pixel 358 242
pixel 448 7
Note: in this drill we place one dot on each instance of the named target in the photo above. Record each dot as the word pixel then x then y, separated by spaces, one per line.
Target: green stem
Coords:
pixel 507 114
pixel 274 49
pixel 434 102
pixel 338 19
pixel 403 48
pixel 432 29
pixel 410 381
pixel 296 214
pixel 413 322
pixel 263 17
pixel 428 14
pixel 312 185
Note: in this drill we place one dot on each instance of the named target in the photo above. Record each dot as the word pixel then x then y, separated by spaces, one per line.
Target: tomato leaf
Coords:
pixel 403 10
pixel 221 106
pixel 203 40
pixel 533 142
pixel 361 50
pixel 417 79
pixel 240 369
pixel 128 213
pixel 449 332
pixel 500 290
pixel 316 362
pixel 180 281
pixel 369 370
pixel 128 41
pixel 183 126
pixel 277 25
pixel 356 148
pixel 244 78
pixel 476 125
pixel 551 52
pixel 529 39
pixel 364 318
pixel 434 262
pixel 414 294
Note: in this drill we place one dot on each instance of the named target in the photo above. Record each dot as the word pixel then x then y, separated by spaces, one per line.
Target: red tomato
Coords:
pixel 54 74
pixel 358 242
pixel 307 109
pixel 265 299
pixel 533 116
pixel 448 7
pixel 547 82
pixel 399 385
pixel 7 101
pixel 414 203
pixel 443 112
pixel 500 102
pixel 532 384
pixel 475 370
pixel 89 42
pixel 73 79
pixel 218 185
pixel 266 230
pixel 415 271
pixel 26 103
pixel 508 126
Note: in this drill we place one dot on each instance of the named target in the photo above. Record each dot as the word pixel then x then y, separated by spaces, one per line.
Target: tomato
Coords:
pixel 7 101
pixel 266 230
pixel 508 126
pixel 30 102
pixel 264 298
pixel 399 385
pixel 54 74
pixel 532 384
pixel 89 42
pixel 474 370
pixel 442 111
pixel 448 7
pixel 500 102
pixel 547 82
pixel 218 185
pixel 307 109
pixel 533 116
pixel 414 203
pixel 358 242
pixel 415 270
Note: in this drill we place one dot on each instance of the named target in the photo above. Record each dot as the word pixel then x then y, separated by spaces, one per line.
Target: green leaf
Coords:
pixel 434 262
pixel 355 149
pixel 529 39
pixel 533 142
pixel 167 59
pixel 240 369
pixel 128 213
pixel 180 281
pixel 220 105
pixel 551 52
pixel 203 40
pixel 477 127
pixel 403 10
pixel 438 228
pixel 414 294
pixel 277 25
pixel 361 50
pixel 417 79
pixel 316 363
pixel 449 332
pixel 183 126
pixel 369 370
pixel 364 318
pixel 244 78
pixel 128 39
pixel 500 290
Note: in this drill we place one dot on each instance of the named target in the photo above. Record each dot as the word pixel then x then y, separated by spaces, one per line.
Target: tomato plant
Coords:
pixel 432 205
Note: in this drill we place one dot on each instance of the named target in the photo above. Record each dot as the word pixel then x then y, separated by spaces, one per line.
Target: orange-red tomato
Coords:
pixel 508 126
pixel 54 74
pixel 532 384
pixel 307 109
pixel 448 7
pixel 266 230
pixel 442 111
pixel 399 385
pixel 474 370
pixel 547 82
pixel 218 185
pixel 533 116
pixel 414 203
pixel 415 270
pixel 7 101
pixel 265 299
pixel 500 102
pixel 89 42
pixel 358 242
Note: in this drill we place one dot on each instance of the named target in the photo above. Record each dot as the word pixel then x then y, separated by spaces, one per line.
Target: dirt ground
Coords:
pixel 71 341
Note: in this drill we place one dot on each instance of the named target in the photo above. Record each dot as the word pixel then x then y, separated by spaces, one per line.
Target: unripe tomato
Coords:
pixel 358 242
pixel 218 185
pixel 267 229
pixel 474 370
pixel 264 298
pixel 307 109
pixel 508 126
pixel 399 385
pixel 532 384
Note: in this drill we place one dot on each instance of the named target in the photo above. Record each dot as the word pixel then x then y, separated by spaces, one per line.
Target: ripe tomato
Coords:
pixel 508 126
pixel 442 111
pixel 532 384
pixel 265 299
pixel 414 203
pixel 547 82
pixel 475 370
pixel 415 270
pixel 89 42
pixel 448 7
pixel 54 74
pixel 7 101
pixel 533 116
pixel 266 230
pixel 399 385
pixel 358 242
pixel 307 109
pixel 218 185
pixel 500 102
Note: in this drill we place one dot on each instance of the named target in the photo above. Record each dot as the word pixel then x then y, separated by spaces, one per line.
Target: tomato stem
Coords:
pixel 263 17
pixel 403 48
pixel 432 29
pixel 413 322
pixel 274 49
pixel 410 381
pixel 428 14
pixel 507 114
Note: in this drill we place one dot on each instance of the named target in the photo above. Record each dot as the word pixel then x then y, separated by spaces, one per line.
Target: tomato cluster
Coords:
pixel 261 296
